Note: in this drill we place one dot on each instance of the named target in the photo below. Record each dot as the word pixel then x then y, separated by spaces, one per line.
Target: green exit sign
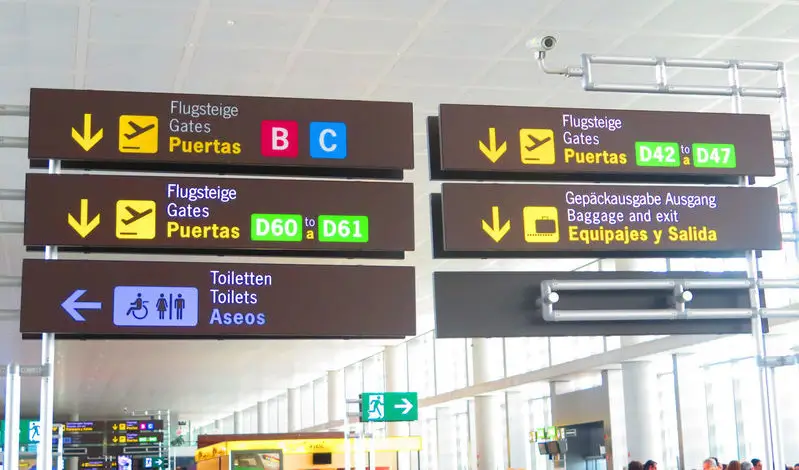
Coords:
pixel 385 407
pixel 154 462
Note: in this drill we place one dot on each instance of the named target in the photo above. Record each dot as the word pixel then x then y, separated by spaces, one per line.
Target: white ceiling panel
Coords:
pixel 122 22
pixel 779 23
pixel 440 71
pixel 138 58
pixel 376 36
pixel 647 44
pixel 463 40
pixel 40 53
pixel 241 28
pixel 705 18
pixel 127 78
pixel 424 51
pixel 51 20
pixel 507 12
pixel 522 74
pixel 404 10
pixel 246 62
pixel 760 48
pixel 362 69
pixel 260 6
pixel 17 82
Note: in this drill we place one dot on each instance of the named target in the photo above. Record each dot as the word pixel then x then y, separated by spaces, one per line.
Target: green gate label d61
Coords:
pixel 343 228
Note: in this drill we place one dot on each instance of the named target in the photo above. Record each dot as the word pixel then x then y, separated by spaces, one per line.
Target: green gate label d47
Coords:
pixel 664 154
pixel 276 227
pixel 714 155
pixel 343 228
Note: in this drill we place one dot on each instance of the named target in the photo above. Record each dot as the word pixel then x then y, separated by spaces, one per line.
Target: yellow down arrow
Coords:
pixel 85 138
pixel 83 226
pixel 495 231
pixel 491 151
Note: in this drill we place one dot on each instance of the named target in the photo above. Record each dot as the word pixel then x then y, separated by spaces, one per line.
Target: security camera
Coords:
pixel 542 44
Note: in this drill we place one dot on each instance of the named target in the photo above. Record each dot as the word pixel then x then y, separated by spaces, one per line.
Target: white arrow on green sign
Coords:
pixel 381 407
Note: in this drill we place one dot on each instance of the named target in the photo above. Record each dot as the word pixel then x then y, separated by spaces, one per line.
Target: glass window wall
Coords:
pixel 451 366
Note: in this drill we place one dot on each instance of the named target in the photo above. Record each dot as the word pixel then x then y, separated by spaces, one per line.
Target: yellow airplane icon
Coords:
pixel 135 219
pixel 537 146
pixel 138 134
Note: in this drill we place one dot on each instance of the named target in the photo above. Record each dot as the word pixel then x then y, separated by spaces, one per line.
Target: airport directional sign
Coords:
pixel 643 221
pixel 146 212
pixel 181 129
pixel 536 142
pixel 383 407
pixel 112 299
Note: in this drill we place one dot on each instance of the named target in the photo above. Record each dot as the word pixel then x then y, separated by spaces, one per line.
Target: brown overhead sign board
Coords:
pixel 95 299
pixel 534 219
pixel 569 141
pixel 146 212
pixel 168 128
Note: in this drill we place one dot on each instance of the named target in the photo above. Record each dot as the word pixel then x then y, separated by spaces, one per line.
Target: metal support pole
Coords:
pixel 13 402
pixel 790 168
pixel 10 281
pixel 12 227
pixel 347 441
pixel 779 455
pixel 14 110
pixel 753 271
pixel 44 459
pixel 675 368
pixel 12 194
pixel 372 452
pixel 13 142
pixel 669 284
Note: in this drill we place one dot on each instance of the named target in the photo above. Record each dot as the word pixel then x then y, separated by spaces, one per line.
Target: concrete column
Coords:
pixel 641 410
pixel 218 426
pixel 640 392
pixel 487 417
pixel 294 402
pixel 335 396
pixel 238 422
pixel 262 423
pixel 395 363
pixel 517 423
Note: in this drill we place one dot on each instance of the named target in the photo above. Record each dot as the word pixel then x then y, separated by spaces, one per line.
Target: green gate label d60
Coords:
pixel 343 228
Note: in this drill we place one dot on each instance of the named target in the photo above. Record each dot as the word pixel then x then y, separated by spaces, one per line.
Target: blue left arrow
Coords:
pixel 72 306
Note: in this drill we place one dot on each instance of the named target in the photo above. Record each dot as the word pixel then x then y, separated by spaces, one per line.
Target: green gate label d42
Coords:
pixel 714 155
pixel 664 154
pixel 343 228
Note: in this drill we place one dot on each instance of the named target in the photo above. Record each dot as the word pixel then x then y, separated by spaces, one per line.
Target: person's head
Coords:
pixel 757 464
pixel 650 465
pixel 796 466
pixel 734 465
pixel 746 465
pixel 710 464
pixel 635 465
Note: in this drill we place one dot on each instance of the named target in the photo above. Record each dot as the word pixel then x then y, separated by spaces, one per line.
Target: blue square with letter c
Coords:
pixel 328 140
